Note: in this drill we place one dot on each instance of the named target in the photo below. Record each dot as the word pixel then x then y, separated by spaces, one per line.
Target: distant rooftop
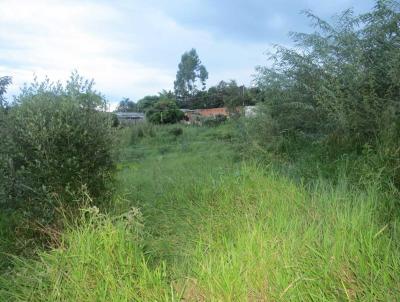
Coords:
pixel 129 114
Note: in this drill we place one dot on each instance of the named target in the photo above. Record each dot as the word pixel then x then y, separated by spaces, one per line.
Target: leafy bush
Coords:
pixel 59 140
pixel 337 90
pixel 165 111
pixel 214 121
pixel 114 120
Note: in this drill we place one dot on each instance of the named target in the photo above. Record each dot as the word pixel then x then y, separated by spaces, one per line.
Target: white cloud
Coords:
pixel 130 48
pixel 53 38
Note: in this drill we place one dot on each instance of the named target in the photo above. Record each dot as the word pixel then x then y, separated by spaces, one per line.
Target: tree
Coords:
pixel 233 95
pixel 126 105
pixel 339 87
pixel 165 111
pixel 4 82
pixel 190 72
pixel 167 94
pixel 147 102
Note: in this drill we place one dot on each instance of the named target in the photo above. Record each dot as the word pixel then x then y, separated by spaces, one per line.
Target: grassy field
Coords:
pixel 192 221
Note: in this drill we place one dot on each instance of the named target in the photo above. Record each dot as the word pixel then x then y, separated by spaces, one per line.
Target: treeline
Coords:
pixel 225 94
pixel 190 91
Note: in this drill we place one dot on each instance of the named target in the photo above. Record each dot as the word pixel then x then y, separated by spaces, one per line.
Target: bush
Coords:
pixel 115 121
pixel 165 111
pixel 214 121
pixel 59 140
pixel 341 83
pixel 337 91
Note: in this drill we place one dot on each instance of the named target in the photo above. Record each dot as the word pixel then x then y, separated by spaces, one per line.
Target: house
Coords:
pixel 130 117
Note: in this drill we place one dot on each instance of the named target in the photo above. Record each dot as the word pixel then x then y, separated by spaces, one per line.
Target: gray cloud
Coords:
pixel 255 20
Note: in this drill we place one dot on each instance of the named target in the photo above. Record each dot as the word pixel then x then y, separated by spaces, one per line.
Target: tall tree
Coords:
pixel 126 105
pixel 165 111
pixel 147 102
pixel 190 72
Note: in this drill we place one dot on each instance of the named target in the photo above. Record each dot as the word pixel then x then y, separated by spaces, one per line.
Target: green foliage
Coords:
pixel 100 258
pixel 214 121
pixel 216 230
pixel 141 130
pixel 165 111
pixel 126 105
pixel 225 229
pixel 190 70
pixel 337 90
pixel 233 95
pixel 147 102
pixel 114 120
pixel 4 82
pixel 58 142
pixel 225 94
pixel 176 131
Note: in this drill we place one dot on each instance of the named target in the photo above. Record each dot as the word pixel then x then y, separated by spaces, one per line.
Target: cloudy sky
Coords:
pixel 132 48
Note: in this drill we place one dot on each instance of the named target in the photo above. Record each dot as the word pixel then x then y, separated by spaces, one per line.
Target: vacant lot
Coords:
pixel 194 222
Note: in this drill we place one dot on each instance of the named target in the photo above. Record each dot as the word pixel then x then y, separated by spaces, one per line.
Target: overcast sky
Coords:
pixel 132 48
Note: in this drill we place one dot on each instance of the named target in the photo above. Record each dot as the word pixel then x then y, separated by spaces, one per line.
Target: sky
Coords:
pixel 132 48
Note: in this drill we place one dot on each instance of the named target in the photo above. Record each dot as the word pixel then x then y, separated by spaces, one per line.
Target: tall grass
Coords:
pixel 215 229
pixel 99 260
pixel 267 239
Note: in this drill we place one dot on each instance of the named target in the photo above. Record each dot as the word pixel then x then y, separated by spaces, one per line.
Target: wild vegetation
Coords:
pixel 194 222
pixel 56 145
pixel 336 95
pixel 296 203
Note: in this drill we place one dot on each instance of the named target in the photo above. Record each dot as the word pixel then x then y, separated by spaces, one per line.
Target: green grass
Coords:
pixel 213 228
pixel 101 260
pixel 6 239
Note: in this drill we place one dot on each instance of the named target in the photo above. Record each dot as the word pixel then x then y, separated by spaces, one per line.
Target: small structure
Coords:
pixel 213 112
pixel 195 116
pixel 130 117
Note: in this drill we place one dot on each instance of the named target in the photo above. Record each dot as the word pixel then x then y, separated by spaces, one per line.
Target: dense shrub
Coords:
pixel 165 111
pixel 114 120
pixel 59 140
pixel 224 94
pixel 338 90
pixel 214 121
